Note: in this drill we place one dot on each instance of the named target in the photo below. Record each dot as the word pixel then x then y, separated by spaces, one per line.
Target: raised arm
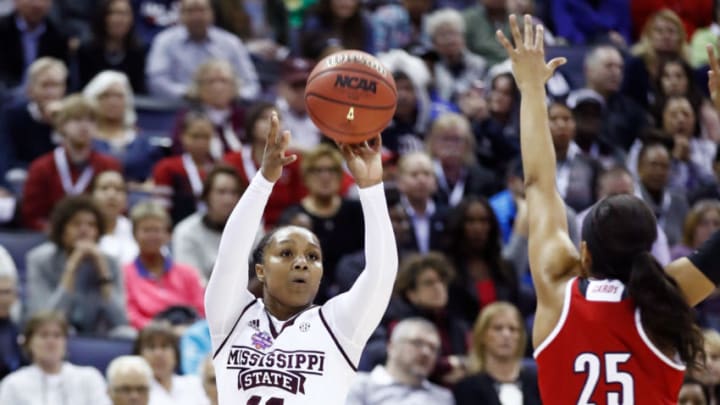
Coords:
pixel 699 274
pixel 226 293
pixel 355 314
pixel 551 252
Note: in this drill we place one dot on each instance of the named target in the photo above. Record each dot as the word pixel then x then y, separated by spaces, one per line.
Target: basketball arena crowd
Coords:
pixel 130 129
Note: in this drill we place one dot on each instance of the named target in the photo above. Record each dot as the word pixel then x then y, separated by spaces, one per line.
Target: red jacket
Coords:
pixel 43 187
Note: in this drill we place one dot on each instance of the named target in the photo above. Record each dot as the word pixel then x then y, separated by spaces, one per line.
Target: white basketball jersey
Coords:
pixel 302 363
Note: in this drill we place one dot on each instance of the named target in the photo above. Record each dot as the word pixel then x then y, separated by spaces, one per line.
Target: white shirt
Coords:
pixel 421 223
pixel 120 244
pixel 74 385
pixel 311 360
pixel 185 390
pixel 380 388
pixel 305 135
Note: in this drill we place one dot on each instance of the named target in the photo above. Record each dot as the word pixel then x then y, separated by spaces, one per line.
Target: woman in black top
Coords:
pixel 113 45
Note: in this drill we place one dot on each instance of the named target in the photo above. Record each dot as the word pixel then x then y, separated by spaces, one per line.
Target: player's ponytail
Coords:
pixel 666 316
pixel 619 232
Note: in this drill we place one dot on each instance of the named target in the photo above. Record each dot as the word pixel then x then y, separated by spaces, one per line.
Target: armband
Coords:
pixel 707 258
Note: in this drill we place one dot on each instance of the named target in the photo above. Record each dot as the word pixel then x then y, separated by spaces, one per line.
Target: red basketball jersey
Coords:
pixel 599 353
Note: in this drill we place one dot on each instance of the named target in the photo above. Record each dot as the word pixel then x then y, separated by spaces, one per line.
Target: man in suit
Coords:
pixel 417 183
pixel 28 34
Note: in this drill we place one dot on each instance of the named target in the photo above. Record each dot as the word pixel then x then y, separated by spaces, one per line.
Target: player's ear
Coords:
pixel 260 273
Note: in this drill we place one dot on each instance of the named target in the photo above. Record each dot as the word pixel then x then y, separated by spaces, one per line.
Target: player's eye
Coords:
pixel 314 256
pixel 285 253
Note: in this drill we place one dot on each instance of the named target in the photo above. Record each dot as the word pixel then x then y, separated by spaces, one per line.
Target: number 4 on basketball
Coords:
pixel 255 400
pixel 351 114
pixel 590 363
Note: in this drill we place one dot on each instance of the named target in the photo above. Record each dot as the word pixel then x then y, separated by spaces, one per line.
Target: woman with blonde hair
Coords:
pixel 497 347
pixel 702 220
pixel 663 37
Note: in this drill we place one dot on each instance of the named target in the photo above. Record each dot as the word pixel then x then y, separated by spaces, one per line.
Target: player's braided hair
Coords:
pixel 619 232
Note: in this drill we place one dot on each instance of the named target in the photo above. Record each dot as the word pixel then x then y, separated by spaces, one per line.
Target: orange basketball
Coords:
pixel 350 96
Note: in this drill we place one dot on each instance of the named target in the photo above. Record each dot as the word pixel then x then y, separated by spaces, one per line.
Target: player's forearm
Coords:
pixel 538 154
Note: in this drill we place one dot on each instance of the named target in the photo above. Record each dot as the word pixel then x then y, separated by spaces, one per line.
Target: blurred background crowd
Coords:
pixel 130 128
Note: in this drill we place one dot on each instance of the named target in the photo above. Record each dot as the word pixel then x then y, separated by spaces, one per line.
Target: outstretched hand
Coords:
pixel 274 156
pixel 364 162
pixel 714 77
pixel 528 55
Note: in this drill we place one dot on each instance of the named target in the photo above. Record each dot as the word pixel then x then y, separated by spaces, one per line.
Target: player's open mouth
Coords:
pixel 299 281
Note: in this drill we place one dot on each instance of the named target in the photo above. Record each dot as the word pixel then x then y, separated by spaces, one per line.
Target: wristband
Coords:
pixel 707 258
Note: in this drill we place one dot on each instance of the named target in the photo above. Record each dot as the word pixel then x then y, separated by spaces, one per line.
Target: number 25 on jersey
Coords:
pixel 594 366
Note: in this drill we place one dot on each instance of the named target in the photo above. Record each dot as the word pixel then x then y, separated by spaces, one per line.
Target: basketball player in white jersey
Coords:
pixel 282 350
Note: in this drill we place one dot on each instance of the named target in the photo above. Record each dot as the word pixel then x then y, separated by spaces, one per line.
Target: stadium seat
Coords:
pixel 96 352
pixel 18 243
pixel 156 117
pixel 574 68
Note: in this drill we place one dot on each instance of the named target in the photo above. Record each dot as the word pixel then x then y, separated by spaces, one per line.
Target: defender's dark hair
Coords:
pixel 619 232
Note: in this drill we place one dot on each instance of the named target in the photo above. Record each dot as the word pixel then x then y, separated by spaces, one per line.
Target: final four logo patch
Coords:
pixel 262 340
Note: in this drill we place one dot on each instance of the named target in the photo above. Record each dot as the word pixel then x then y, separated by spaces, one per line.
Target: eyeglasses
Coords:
pixel 328 169
pixel 420 344
pixel 128 389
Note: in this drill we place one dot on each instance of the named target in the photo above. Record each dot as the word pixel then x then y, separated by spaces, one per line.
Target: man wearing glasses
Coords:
pixel 128 379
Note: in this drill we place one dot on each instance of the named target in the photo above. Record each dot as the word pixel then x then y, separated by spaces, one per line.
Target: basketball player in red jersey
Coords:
pixel 611 326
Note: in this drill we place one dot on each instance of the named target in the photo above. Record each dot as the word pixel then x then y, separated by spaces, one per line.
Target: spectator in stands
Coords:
pixel 498 347
pixel 10 355
pixel 344 20
pixel 710 190
pixel 178 179
pixel 452 146
pixel 177 52
pixel 414 111
pixel 195 239
pixel 504 203
pixel 417 184
pixel 585 22
pixel 28 34
pixel 158 344
pixel 50 379
pixel 702 37
pixel 654 162
pixel 498 134
pixel 208 380
pixel 700 222
pixel 153 16
pixel 474 244
pixel 155 282
pixel 457 66
pixel 291 104
pixel 693 392
pixel 72 275
pixel 214 91
pixel 69 168
pixel 482 20
pixel 663 37
pixel 692 156
pixel 421 290
pixel 336 220
pixel 696 14
pixel 403 380
pixel 588 110
pixel 401 25
pixel 195 347
pixel 128 379
pixel 26 126
pixel 262 26
pixel 109 191
pixel 110 94
pixel 576 172
pixel 247 163
pixel 618 180
pixel 676 79
pixel 622 118
pixel 113 45
pixel 709 375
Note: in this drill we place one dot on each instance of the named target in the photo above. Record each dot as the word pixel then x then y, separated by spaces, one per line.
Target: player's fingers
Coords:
pixel 274 124
pixel 540 38
pixel 504 41
pixel 374 143
pixel 284 140
pixel 556 62
pixel 286 160
pixel 528 31
pixel 516 32
pixel 711 58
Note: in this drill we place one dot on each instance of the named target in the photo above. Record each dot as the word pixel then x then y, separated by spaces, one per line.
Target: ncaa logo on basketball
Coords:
pixel 356 83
